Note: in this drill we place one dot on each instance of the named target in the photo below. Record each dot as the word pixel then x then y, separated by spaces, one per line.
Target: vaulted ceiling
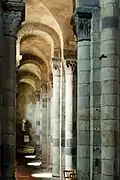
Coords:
pixel 45 33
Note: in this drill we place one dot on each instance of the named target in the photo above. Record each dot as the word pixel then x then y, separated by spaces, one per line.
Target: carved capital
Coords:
pixel 13 16
pixel 83 25
pixel 12 22
pixel 37 95
pixel 70 67
pixel 14 5
pixel 56 64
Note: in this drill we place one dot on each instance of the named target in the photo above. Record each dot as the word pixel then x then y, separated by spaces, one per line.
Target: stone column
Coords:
pixel 44 123
pixel 41 118
pixel 51 92
pixel 1 51
pixel 56 120
pixel 83 26
pixel 38 123
pixel 95 98
pixel 48 132
pixel 70 121
pixel 44 131
pixel 63 122
pixel 109 89
pixel 12 20
pixel 51 129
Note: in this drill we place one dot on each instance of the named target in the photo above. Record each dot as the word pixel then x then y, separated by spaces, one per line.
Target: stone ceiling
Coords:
pixel 45 31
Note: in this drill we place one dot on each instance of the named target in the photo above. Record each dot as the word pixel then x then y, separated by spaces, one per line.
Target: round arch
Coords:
pixel 29 81
pixel 35 52
pixel 32 68
pixel 29 75
pixel 43 35
pixel 27 58
pixel 34 28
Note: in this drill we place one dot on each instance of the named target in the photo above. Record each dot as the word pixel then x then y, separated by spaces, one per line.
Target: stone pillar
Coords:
pixel 70 121
pixel 44 131
pixel 56 120
pixel 109 89
pixel 83 26
pixel 51 129
pixel 63 122
pixel 41 118
pixel 95 98
pixel 50 111
pixel 38 123
pixel 12 20
pixel 44 123
pixel 1 51
pixel 48 132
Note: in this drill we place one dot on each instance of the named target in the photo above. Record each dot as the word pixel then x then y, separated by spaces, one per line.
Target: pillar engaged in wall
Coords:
pixel 109 89
pixel 83 25
pixel 55 117
pixel 70 132
pixel 95 98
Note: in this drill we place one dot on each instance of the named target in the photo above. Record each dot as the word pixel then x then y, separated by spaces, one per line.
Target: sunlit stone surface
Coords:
pixel 59 89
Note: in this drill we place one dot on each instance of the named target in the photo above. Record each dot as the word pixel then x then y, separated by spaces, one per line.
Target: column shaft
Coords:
pixel 95 98
pixel 38 124
pixel 109 89
pixel 83 24
pixel 63 123
pixel 48 132
pixel 44 131
pixel 12 20
pixel 83 110
pixel 51 129
pixel 1 54
pixel 56 121
pixel 41 119
pixel 70 123
pixel 8 109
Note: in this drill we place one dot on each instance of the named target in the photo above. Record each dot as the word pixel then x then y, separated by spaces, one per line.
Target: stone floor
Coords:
pixel 23 172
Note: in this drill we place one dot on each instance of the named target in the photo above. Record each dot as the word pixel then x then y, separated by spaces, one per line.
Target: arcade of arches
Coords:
pixel 59 88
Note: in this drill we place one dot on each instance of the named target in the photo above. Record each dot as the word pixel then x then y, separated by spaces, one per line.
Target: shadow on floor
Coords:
pixel 23 172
